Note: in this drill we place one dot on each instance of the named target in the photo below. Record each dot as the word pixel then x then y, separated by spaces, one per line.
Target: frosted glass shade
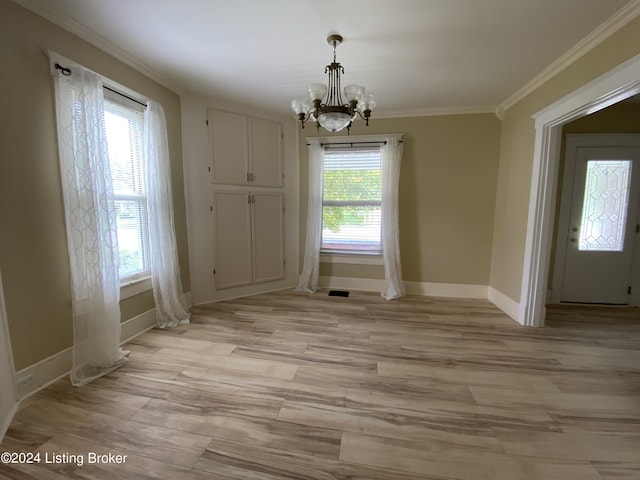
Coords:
pixel 317 91
pixel 353 92
pixel 300 106
pixel 334 121
pixel 367 102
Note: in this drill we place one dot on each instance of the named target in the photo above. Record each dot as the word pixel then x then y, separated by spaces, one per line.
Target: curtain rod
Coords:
pixel 125 96
pixel 67 71
pixel 382 142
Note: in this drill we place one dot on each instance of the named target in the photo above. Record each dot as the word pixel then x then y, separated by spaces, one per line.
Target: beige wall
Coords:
pixel 33 253
pixel 447 197
pixel 516 153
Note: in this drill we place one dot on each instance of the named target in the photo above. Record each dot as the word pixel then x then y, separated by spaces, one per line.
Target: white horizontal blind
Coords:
pixel 124 123
pixel 351 200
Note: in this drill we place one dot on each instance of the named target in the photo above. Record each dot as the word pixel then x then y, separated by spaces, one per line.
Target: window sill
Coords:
pixel 135 287
pixel 352 258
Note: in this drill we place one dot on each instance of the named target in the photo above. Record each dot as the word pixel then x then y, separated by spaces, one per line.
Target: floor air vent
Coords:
pixel 338 293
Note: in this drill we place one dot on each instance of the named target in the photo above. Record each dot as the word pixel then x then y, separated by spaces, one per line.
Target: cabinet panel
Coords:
pixel 268 237
pixel 265 150
pixel 229 147
pixel 233 239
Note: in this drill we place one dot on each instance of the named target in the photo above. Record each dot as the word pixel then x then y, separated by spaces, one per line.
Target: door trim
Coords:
pixel 573 142
pixel 614 86
pixel 7 410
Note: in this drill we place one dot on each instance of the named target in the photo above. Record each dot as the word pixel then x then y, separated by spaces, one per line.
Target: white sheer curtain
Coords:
pixel 171 307
pixel 90 223
pixel 390 169
pixel 308 280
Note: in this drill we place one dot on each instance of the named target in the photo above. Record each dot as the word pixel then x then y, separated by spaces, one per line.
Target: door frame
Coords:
pixel 7 376
pixel 614 86
pixel 572 143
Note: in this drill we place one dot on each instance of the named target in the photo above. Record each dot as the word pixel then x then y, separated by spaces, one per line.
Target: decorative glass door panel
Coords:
pixel 605 204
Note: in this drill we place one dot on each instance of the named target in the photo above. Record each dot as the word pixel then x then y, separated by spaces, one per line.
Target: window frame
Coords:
pixel 351 256
pixel 139 282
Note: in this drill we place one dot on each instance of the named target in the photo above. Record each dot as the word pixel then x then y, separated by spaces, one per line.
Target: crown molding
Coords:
pixel 434 112
pixel 621 18
pixel 42 9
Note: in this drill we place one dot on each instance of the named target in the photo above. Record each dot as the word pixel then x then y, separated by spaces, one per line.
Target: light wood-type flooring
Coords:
pixel 288 386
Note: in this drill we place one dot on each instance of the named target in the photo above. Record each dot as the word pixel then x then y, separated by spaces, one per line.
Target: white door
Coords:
pixel 266 152
pixel 268 237
pixel 602 225
pixel 7 383
pixel 233 262
pixel 229 150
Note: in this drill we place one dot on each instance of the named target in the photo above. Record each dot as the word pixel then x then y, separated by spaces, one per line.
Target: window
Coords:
pixel 124 123
pixel 351 200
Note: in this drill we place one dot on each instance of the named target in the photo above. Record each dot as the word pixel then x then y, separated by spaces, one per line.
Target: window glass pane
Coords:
pixel 351 228
pixel 352 176
pixel 131 219
pixel 124 129
pixel 604 209
pixel 124 138
pixel 352 192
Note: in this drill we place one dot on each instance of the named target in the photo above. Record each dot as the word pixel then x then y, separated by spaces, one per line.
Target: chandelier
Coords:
pixel 325 105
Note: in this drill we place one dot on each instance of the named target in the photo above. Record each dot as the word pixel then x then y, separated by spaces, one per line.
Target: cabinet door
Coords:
pixel 229 151
pixel 233 239
pixel 268 237
pixel 266 152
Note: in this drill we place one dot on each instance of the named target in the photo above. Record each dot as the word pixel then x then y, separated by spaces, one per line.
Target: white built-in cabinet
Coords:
pixel 247 199
pixel 245 150
pixel 249 238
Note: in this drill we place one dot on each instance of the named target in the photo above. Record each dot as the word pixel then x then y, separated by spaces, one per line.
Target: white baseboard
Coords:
pixel 348 283
pixel 429 289
pixel 44 373
pixel 504 303
pixel 52 368
pixel 135 326
pixel 47 371
pixel 414 288
pixel 246 290
pixel 453 290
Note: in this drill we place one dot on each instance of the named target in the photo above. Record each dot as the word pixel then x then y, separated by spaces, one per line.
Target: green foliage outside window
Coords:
pixel 346 186
pixel 130 262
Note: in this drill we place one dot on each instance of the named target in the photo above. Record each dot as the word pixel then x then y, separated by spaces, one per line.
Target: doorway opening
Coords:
pixel 616 85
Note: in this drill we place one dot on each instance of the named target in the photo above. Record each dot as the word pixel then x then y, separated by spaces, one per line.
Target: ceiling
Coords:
pixel 415 56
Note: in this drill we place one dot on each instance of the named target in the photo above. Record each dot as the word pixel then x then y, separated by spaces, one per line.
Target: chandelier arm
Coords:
pixel 364 115
pixel 305 117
